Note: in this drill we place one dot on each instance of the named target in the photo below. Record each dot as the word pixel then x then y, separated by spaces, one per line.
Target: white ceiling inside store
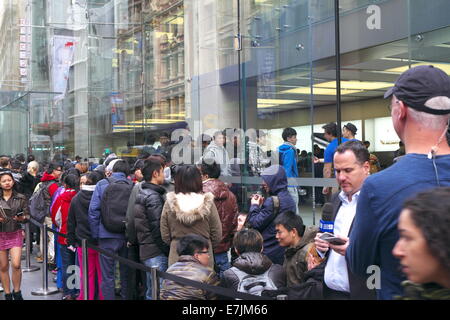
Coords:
pixel 365 74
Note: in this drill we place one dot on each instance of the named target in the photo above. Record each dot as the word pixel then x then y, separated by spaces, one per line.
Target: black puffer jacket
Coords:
pixel 17 203
pixel 77 222
pixel 28 183
pixel 254 263
pixel 147 216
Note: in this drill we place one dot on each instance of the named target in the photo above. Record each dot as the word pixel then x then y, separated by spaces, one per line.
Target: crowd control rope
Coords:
pixel 225 292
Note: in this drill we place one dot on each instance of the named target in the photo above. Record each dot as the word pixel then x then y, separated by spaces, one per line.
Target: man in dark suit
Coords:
pixel 351 163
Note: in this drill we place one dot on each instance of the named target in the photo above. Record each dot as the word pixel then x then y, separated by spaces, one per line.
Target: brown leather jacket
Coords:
pixel 17 203
pixel 227 208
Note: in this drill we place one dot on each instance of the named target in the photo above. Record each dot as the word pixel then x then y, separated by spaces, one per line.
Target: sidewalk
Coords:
pixel 33 280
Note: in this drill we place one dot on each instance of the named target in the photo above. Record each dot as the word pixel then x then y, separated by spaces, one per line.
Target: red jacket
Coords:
pixel 52 188
pixel 227 208
pixel 60 212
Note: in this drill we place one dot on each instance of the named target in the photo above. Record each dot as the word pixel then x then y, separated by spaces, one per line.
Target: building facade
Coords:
pixel 101 76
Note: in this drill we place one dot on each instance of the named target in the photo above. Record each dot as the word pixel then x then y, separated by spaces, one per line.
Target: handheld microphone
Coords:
pixel 327 223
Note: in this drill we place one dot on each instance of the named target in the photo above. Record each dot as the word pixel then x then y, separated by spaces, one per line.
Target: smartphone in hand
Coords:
pixel 331 238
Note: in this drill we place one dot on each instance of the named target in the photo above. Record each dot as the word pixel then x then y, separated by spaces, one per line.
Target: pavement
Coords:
pixel 32 281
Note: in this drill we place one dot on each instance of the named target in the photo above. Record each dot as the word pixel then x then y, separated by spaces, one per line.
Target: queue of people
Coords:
pixel 183 220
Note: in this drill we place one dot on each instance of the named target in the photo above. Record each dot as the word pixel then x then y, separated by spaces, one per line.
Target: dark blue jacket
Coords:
pixel 98 231
pixel 374 233
pixel 261 218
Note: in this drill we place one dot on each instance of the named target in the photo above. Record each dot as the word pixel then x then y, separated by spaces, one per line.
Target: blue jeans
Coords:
pixel 68 259
pixel 161 262
pixel 108 267
pixel 59 265
pixel 222 262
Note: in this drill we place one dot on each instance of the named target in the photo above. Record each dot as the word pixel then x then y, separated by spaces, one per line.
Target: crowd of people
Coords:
pixel 184 220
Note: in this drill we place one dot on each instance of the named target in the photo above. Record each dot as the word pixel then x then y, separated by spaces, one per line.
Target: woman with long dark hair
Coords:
pixel 13 213
pixel 189 211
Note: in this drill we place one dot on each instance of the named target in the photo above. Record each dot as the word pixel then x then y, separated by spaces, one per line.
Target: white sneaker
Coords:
pixel 1 289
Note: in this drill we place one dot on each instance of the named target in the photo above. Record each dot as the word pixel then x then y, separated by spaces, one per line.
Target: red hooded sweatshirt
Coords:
pixel 60 212
pixel 54 186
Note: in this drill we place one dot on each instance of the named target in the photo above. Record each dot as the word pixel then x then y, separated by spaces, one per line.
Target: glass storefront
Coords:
pixel 91 77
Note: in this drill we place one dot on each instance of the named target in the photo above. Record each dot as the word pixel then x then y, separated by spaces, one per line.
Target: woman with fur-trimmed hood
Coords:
pixel 190 211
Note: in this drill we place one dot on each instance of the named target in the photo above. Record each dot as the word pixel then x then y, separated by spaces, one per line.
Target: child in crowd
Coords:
pixel 252 271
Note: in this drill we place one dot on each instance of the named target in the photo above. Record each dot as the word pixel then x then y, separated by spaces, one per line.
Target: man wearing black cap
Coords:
pixel 349 131
pixel 420 109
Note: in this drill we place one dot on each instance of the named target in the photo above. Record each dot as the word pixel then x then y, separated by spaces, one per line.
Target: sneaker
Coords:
pixel 1 289
pixel 55 271
pixel 8 296
pixel 39 259
pixel 68 297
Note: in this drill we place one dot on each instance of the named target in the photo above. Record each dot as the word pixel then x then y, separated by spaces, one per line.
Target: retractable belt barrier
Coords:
pixel 45 290
pixel 225 292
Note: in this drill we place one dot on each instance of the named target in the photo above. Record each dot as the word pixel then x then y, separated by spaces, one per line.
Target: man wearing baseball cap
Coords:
pixel 349 131
pixel 420 109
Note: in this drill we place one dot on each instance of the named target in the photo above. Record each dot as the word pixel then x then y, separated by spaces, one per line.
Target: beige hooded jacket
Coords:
pixel 192 213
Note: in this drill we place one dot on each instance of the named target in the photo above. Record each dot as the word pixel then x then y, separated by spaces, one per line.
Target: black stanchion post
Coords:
pixel 45 290
pixel 84 250
pixel 28 266
pixel 155 285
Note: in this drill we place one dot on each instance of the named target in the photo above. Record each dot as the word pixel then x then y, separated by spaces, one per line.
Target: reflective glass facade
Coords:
pixel 89 77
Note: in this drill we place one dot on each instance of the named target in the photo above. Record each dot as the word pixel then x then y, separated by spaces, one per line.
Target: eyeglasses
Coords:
pixel 203 252
pixel 389 105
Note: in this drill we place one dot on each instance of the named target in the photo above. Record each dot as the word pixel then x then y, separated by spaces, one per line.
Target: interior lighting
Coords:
pixel 269 103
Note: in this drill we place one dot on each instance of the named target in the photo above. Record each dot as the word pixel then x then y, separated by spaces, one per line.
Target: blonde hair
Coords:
pixel 83 167
pixel 33 166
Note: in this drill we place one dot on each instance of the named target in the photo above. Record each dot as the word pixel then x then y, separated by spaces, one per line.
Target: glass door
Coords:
pixel 276 84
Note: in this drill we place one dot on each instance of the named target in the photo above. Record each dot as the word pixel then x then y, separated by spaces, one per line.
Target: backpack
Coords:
pixel 114 205
pixel 254 283
pixel 276 205
pixel 40 202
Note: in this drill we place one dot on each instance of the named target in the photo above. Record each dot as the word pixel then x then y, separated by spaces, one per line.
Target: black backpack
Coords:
pixel 40 202
pixel 114 205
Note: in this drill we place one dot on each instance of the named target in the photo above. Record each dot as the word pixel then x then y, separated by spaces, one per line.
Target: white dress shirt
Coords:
pixel 336 275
